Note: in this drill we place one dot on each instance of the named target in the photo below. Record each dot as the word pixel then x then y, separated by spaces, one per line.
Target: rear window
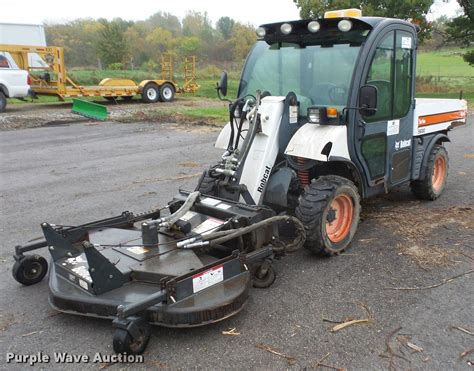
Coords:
pixel 4 61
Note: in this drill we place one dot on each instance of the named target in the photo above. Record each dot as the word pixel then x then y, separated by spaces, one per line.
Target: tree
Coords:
pixel 461 29
pixel 243 38
pixel 414 10
pixel 111 46
pixel 225 25
pixel 166 21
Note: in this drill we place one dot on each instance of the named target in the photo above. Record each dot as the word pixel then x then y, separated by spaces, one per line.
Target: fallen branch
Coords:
pixel 466 352
pixel 348 323
pixel 231 332
pixel 291 360
pixel 390 353
pixel 462 329
pixel 322 359
pixel 446 280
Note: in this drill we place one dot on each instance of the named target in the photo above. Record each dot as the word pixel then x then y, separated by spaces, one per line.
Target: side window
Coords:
pixel 4 61
pixel 403 73
pixel 381 75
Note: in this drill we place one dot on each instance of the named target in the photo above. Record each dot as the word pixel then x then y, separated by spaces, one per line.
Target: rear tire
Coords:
pixel 167 92
pixel 329 209
pixel 3 102
pixel 434 181
pixel 151 93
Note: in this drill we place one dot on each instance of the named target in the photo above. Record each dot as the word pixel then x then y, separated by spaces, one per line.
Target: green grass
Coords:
pixel 448 62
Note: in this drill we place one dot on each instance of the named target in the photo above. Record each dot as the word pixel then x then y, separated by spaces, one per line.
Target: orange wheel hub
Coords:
pixel 439 173
pixel 343 209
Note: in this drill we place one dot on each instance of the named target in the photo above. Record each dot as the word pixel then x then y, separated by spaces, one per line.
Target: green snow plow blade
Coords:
pixel 89 109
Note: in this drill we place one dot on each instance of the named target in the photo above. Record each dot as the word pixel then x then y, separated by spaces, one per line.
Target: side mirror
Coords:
pixel 368 100
pixel 222 84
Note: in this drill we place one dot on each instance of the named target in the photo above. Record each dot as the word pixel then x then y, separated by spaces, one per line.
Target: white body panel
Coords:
pixel 22 34
pixel 223 138
pixel 433 115
pixel 14 81
pixel 310 139
pixel 264 150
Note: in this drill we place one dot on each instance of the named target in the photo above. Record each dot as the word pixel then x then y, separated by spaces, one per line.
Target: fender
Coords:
pixel 437 138
pixel 4 89
pixel 319 142
pixel 355 172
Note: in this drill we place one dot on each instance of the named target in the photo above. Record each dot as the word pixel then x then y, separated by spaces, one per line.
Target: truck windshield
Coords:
pixel 319 75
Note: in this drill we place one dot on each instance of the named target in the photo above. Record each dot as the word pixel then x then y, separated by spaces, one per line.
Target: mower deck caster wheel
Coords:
pixel 30 269
pixel 134 339
pixel 263 275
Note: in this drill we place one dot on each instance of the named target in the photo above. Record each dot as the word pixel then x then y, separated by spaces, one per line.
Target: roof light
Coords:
pixel 314 26
pixel 344 25
pixel 286 28
pixel 343 13
pixel 261 32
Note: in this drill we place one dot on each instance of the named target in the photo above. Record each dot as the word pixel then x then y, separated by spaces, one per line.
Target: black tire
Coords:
pixel 206 185
pixel 167 92
pixel 123 341
pixel 263 276
pixel 432 185
pixel 30 269
pixel 3 102
pixel 151 93
pixel 318 210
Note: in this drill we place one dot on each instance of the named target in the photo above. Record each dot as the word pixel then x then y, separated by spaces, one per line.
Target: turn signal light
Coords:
pixel 343 13
pixel 331 112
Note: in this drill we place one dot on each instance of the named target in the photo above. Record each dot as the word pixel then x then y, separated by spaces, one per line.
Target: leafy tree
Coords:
pixel 461 29
pixel 414 10
pixel 166 21
pixel 243 38
pixel 111 46
pixel 225 25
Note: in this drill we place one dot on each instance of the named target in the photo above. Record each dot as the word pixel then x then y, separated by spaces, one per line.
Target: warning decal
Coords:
pixel 208 278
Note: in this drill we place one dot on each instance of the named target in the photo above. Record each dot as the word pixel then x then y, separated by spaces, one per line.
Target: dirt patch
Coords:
pixel 32 115
pixel 430 236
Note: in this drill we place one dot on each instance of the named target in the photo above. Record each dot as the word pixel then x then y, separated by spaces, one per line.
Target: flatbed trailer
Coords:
pixel 51 78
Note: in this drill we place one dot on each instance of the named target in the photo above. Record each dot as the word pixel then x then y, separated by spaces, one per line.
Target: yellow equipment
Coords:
pixel 49 77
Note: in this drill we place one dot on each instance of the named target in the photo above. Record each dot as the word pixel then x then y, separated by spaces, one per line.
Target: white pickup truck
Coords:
pixel 14 82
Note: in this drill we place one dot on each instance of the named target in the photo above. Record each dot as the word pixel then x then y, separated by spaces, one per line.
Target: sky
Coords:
pixel 254 12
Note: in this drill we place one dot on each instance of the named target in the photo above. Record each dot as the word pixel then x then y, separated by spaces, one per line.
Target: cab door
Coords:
pixel 384 145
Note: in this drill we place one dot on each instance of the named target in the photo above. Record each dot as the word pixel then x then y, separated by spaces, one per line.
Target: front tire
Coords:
pixel 434 181
pixel 30 269
pixel 3 102
pixel 329 209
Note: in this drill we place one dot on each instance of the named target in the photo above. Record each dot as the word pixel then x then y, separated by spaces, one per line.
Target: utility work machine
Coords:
pixel 325 117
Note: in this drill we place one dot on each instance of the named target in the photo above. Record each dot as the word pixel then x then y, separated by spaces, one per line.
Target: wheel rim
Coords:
pixel 151 94
pixel 167 93
pixel 33 271
pixel 339 219
pixel 439 173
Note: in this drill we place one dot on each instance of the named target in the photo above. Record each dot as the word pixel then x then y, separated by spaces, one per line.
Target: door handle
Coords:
pixel 361 129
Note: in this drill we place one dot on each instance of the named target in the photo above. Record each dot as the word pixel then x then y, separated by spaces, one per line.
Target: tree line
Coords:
pixel 118 43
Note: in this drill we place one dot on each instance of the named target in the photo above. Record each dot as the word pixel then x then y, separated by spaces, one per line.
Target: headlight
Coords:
pixel 286 28
pixel 314 26
pixel 314 115
pixel 261 32
pixel 344 25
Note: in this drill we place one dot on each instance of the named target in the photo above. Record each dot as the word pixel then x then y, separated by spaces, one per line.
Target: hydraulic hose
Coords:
pixel 168 221
pixel 216 238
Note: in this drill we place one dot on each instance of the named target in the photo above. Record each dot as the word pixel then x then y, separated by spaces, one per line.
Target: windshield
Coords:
pixel 319 75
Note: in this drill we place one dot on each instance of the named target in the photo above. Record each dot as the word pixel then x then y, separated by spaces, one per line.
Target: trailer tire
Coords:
pixel 432 185
pixel 3 101
pixel 167 92
pixel 151 93
pixel 329 208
